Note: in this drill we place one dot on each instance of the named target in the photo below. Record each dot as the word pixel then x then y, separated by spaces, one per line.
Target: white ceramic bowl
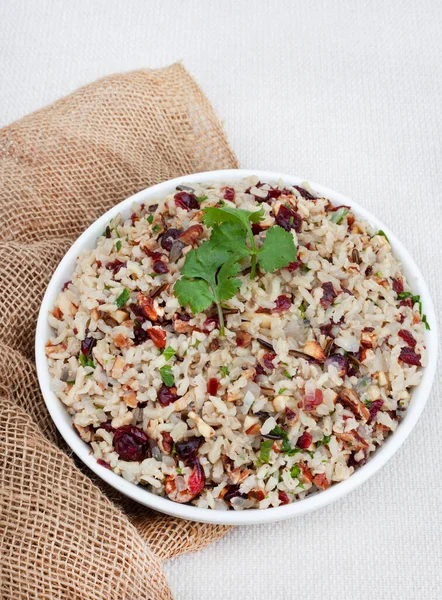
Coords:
pixel 63 421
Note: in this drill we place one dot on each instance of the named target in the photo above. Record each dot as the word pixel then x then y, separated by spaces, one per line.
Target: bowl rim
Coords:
pixel 313 502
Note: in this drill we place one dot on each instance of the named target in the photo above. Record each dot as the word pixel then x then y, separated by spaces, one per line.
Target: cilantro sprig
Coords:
pixel 209 272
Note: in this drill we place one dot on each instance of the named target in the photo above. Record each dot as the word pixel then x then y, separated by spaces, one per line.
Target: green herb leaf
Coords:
pixel 338 215
pixel 86 362
pixel 425 322
pixel 150 219
pixel 169 352
pixel 287 449
pixel 287 374
pixel 380 232
pixel 281 390
pixel 277 251
pixel 214 216
pixel 71 382
pixel 156 228
pixel 118 245
pixel 122 298
pixel 264 454
pixel 224 371
pixel 325 440
pixel 295 471
pixel 167 375
pixel 281 433
pixel 201 198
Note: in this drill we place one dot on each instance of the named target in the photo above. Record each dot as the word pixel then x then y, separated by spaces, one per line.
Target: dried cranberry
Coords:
pixel 257 495
pixel 186 200
pixel 288 219
pixel 243 339
pixel 274 193
pixel 131 443
pixel 329 294
pixel 406 302
pixel 326 329
pixel 103 463
pixel 233 492
pixel 169 237
pixel 188 449
pixel 304 441
pixel 66 284
pixel 282 303
pixel 290 414
pixel 140 335
pixel 115 266
pixel 398 285
pixel 339 361
pixel 158 336
pixel 259 370
pixel 212 386
pixel 154 255
pixel 167 395
pixel 160 266
pixel 256 228
pixel 87 345
pixel 304 193
pixel 294 266
pixel 182 317
pixel 374 408
pixel 197 479
pixel 283 498
pixel 229 193
pixel 409 356
pixel 368 271
pixel 268 360
pixel 407 337
pixel 167 442
pixel 207 325
pixel 106 426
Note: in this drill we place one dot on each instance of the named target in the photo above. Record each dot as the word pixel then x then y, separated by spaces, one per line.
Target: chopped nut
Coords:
pixel 95 314
pixel 117 368
pixel 382 379
pixel 183 402
pixel 350 399
pixel 369 339
pixel 130 398
pixel 120 316
pixel 85 433
pixel 66 306
pixel 205 430
pixel 58 349
pixel 314 350
pixel 121 341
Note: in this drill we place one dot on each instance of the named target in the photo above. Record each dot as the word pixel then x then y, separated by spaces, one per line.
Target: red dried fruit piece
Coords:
pixel 190 236
pixel 290 415
pixel 311 401
pixel 168 237
pixel 233 492
pixel 274 193
pixel 368 271
pixel 181 323
pixel 282 303
pixel 140 335
pixel 268 360
pixel 374 408
pixel 294 266
pixel 398 285
pixel 259 370
pixel 87 345
pixel 131 443
pixel 188 449
pixel 229 193
pixel 115 266
pixel 186 200
pixel 339 361
pixel 167 442
pixel 212 386
pixel 106 426
pixel 210 324
pixel 66 284
pixel 329 294
pixel 160 267
pixel 167 395
pixel 283 498
pixel 158 336
pixel 410 357
pixel 103 463
pixel 326 329
pixel 304 441
pixel 407 337
pixel 257 495
pixel 406 302
pixel 147 307
pixel 288 219
pixel 257 228
pixel 197 479
pixel 243 339
pixel 304 193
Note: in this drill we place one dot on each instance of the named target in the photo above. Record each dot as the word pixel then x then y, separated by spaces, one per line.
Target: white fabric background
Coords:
pixel 346 93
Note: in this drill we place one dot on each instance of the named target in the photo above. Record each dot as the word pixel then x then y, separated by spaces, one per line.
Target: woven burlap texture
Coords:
pixel 64 534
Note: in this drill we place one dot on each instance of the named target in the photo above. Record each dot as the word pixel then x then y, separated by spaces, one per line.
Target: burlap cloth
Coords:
pixel 63 534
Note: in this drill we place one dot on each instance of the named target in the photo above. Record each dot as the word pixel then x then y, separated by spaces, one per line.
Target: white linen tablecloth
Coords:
pixel 345 93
